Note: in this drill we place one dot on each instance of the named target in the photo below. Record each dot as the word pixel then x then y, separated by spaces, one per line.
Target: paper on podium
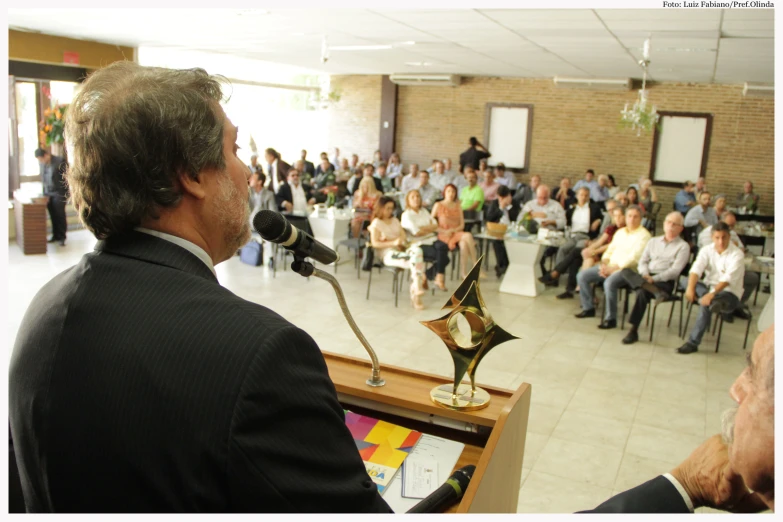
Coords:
pixel 445 452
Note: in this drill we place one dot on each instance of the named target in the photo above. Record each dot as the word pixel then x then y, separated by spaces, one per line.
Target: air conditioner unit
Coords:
pixel 758 89
pixel 620 84
pixel 440 80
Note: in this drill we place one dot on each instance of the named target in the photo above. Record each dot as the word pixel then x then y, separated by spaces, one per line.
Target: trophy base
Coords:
pixel 465 400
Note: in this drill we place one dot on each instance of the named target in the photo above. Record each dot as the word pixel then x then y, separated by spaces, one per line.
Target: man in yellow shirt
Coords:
pixel 624 251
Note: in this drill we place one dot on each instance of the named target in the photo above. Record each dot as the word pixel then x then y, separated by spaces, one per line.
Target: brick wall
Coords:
pixel 572 129
pixel 354 124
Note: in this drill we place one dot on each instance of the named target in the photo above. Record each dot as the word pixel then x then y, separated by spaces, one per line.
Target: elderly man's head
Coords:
pixel 438 167
pixel 749 428
pixel 195 187
pixel 730 219
pixel 582 195
pixel 700 184
pixel 610 205
pixel 747 187
pixel 542 194
pixel 672 225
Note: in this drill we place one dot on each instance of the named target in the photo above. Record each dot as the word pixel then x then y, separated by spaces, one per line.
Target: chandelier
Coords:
pixel 641 116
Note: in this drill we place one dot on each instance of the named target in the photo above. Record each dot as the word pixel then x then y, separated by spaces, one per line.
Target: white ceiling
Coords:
pixel 700 45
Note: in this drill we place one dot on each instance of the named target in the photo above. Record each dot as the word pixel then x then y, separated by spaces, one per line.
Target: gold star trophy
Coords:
pixel 466 352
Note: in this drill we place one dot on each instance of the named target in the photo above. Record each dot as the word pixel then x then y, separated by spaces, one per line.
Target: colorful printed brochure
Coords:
pixel 383 446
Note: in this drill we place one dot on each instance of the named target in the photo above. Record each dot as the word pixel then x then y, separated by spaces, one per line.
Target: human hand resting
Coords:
pixel 710 481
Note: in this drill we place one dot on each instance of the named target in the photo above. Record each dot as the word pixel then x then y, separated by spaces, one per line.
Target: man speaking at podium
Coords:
pixel 137 382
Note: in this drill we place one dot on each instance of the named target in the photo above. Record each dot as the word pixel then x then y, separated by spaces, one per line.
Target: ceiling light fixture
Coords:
pixel 641 116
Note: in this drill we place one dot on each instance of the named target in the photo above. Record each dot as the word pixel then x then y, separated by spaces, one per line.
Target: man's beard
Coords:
pixel 233 213
pixel 727 424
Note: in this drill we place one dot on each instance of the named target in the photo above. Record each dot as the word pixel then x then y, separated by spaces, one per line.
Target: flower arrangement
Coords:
pixel 330 192
pixel 52 128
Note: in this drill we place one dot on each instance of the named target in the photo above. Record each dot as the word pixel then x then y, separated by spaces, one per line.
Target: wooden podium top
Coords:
pixel 494 437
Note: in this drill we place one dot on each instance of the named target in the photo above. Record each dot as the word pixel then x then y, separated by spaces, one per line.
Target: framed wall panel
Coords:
pixel 680 148
pixel 508 128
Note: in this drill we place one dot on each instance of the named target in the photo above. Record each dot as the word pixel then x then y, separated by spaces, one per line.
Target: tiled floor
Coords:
pixel 604 417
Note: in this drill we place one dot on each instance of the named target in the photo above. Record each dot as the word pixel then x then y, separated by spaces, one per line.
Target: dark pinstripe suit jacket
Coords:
pixel 139 384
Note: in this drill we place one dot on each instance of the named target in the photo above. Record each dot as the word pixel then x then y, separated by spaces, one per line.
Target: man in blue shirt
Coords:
pixel 589 181
pixel 685 199
pixel 702 215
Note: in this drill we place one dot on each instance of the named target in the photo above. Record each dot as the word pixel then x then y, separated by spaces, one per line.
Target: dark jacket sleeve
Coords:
pixel 283 194
pixel 289 448
pixel 494 213
pixel 655 496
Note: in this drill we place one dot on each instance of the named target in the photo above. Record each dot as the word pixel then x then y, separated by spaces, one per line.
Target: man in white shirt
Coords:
pixel 624 251
pixel 506 177
pixel 293 196
pixel 439 179
pixel 411 180
pixel 428 193
pixel 702 215
pixel 751 279
pixel 547 212
pixel 723 266
pixel 662 261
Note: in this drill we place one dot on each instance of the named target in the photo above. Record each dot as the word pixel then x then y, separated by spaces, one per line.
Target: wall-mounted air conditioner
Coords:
pixel 758 89
pixel 440 80
pixel 620 84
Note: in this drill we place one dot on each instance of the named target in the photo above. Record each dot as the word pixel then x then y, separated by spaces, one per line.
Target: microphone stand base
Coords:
pixel 464 400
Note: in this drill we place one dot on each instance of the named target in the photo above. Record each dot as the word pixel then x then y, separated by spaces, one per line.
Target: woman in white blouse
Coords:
pixel 388 239
pixel 423 227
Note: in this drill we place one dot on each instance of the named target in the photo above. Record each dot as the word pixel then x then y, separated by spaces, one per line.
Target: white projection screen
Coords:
pixel 680 148
pixel 508 128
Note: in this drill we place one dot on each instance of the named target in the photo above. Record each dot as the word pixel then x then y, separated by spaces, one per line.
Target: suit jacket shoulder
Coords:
pixel 655 496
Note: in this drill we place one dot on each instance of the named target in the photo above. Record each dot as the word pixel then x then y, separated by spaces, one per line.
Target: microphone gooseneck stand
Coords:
pixel 305 269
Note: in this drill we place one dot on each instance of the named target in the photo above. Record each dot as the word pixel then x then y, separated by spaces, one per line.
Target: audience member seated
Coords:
pixel 702 215
pixel 662 261
pixel 368 171
pixel 448 170
pixel 506 177
pixel 335 159
pixel 395 166
pixel 376 158
pixel 429 194
pixel 255 166
pixel 607 218
pixel 388 239
pixel 593 251
pixel 564 195
pixel 588 181
pixel 481 171
pixel 325 156
pixel 353 182
pixel 343 172
pixel 303 176
pixel 719 205
pixel 547 212
pixel 723 266
pixel 387 184
pixel 622 198
pixel 747 198
pixel 260 198
pixel 472 196
pixel 307 166
pixel 647 194
pixel 451 229
pixel 294 196
pixel 355 163
pixel 601 194
pixel 489 186
pixel 751 279
pixel 611 188
pixel 624 251
pixel 526 192
pixel 438 177
pixel 684 200
pixel 459 179
pixel 411 180
pixel 503 210
pixel 700 187
pixel 632 196
pixel 584 218
pixel 423 228
pixel 364 202
pixel 324 168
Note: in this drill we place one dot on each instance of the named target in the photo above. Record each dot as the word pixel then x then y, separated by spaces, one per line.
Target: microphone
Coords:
pixel 274 227
pixel 446 495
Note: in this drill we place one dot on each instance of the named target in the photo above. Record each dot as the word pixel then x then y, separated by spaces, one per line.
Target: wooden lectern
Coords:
pixel 494 437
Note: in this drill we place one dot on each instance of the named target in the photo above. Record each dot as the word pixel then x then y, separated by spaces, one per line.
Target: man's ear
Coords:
pixel 191 186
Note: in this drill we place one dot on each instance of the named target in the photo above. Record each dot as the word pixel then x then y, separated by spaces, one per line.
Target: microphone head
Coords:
pixel 269 224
